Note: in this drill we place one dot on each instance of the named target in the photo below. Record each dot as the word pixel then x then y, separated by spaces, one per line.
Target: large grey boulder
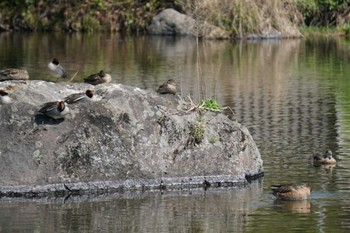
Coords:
pixel 172 22
pixel 125 138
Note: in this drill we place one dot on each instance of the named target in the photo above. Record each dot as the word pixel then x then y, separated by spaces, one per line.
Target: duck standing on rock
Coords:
pixel 98 78
pixel 74 98
pixel 169 87
pixel 291 192
pixel 57 68
pixel 55 110
pixel 4 97
pixel 326 159
pixel 14 74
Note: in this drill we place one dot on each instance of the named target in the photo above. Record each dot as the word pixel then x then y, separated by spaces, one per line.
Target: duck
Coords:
pixel 169 87
pixel 292 192
pixel 56 110
pixel 57 68
pixel 326 159
pixel 74 98
pixel 98 78
pixel 4 97
pixel 14 74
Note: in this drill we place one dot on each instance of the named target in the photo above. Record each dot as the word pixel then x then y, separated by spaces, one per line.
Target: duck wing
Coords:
pixel 92 78
pixel 282 188
pixel 47 107
pixel 73 98
pixel 7 72
pixel 162 89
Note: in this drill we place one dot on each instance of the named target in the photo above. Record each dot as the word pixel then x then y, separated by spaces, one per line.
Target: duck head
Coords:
pixel 328 154
pixel 101 73
pixel 89 93
pixel 61 106
pixel 55 61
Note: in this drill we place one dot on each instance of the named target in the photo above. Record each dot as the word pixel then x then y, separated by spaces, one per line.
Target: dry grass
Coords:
pixel 245 17
pixel 239 17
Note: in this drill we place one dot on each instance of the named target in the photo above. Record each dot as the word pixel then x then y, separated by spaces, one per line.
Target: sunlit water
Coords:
pixel 293 95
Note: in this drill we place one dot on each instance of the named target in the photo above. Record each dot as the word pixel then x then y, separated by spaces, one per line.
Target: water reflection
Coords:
pixel 213 210
pixel 291 94
pixel 301 207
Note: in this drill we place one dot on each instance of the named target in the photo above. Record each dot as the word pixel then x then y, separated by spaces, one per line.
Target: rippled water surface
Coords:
pixel 293 95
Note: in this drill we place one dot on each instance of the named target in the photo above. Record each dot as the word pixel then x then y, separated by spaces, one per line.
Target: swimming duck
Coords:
pixel 292 192
pixel 14 74
pixel 55 110
pixel 57 68
pixel 98 78
pixel 169 87
pixel 73 98
pixel 327 158
pixel 4 97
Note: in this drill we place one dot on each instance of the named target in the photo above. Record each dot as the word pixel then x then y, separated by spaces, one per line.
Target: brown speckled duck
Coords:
pixel 292 192
pixel 14 74
pixel 169 87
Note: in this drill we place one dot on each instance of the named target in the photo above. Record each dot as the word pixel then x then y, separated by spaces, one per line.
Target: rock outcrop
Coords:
pixel 124 138
pixel 172 22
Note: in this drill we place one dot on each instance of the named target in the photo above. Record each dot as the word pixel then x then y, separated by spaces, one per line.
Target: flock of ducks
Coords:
pixel 58 109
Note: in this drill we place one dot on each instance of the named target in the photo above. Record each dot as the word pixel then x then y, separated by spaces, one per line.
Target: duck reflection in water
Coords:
pixel 302 207
pixel 327 167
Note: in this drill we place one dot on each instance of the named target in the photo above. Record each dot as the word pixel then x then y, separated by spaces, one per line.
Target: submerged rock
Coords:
pixel 124 138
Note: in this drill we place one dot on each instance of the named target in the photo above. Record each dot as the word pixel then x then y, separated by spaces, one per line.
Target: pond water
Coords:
pixel 293 95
